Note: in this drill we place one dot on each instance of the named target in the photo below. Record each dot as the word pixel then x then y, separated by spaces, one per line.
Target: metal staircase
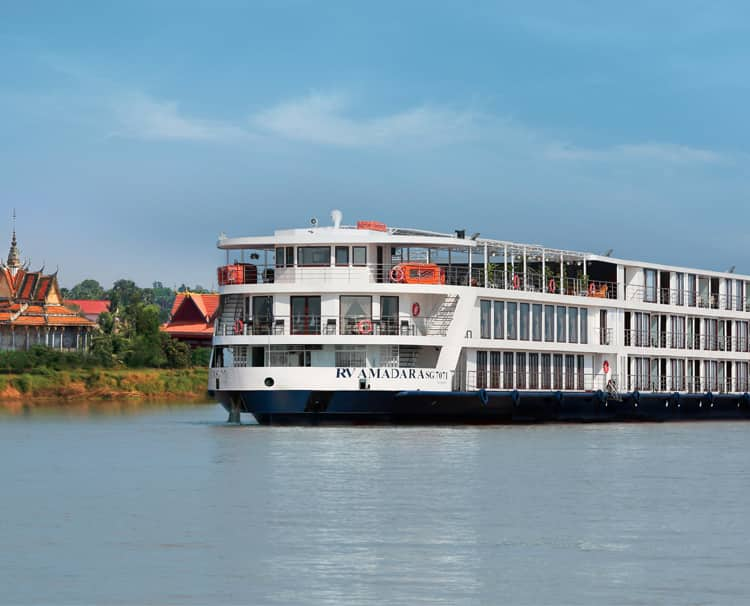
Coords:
pixel 443 316
pixel 230 313
pixel 407 356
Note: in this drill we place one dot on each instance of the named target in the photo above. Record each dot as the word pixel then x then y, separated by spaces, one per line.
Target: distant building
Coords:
pixel 90 308
pixel 32 311
pixel 192 317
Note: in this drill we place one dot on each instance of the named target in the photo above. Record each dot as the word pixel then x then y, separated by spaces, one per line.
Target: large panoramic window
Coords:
pixel 549 323
pixel 342 255
pixel 305 315
pixel 523 325
pixel 481 381
pixel 584 336
pixel 691 290
pixel 649 293
pixel 389 315
pixel 536 322
pixel 512 320
pixel 499 320
pixel 485 318
pixel 573 325
pixel 311 256
pixel 356 314
pixel 262 316
pixel 561 324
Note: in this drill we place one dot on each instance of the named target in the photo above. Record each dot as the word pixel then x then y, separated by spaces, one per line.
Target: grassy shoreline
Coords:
pixel 105 384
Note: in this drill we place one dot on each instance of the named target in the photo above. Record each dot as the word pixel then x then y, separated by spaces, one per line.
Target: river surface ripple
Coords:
pixel 170 505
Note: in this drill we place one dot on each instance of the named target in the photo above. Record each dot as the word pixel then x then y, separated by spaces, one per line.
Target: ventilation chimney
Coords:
pixel 336 216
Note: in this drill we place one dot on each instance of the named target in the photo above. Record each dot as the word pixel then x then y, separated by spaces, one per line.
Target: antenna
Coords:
pixel 336 217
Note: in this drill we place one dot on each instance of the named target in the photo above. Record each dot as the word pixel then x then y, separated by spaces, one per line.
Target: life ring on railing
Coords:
pixel 516 282
pixel 364 327
pixel 592 289
pixel 551 286
pixel 397 274
pixel 238 326
pixel 415 309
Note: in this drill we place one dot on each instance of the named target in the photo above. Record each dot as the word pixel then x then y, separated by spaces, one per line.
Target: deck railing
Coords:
pixel 682 340
pixel 314 324
pixel 554 379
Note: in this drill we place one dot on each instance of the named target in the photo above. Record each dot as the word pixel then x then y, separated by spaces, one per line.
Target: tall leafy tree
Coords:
pixel 88 289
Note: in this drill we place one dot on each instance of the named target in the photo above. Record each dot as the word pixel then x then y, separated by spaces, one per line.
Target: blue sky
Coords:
pixel 131 134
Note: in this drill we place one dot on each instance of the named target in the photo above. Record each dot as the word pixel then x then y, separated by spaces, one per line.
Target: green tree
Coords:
pixel 123 294
pixel 88 289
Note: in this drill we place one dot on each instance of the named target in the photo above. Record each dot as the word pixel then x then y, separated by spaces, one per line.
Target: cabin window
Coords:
pixel 342 255
pixel 312 256
pixel 356 315
pixel 580 376
pixel 499 319
pixel 389 315
pixel 649 293
pixel 740 296
pixel 508 370
pixel 524 322
pixel 533 371
pixel 305 315
pixel 691 290
pixel 485 318
pixel 570 372
pixel 481 369
pixel 495 361
pixel 584 336
pixel 290 256
pixel 561 324
pixel 549 323
pixel 536 322
pixel 512 320
pixel 279 257
pixel 680 289
pixel 728 297
pixel 262 317
pixel 520 370
pixel 546 371
pixel 359 255
pixel 572 325
pixel 557 375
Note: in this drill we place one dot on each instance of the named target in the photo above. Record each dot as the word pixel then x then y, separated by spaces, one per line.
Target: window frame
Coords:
pixel 355 249
pixel 300 254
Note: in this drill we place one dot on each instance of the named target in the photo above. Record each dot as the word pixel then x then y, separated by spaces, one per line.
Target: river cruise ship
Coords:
pixel 371 323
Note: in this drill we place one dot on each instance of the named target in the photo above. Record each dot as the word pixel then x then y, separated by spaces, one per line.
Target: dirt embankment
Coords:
pixel 104 384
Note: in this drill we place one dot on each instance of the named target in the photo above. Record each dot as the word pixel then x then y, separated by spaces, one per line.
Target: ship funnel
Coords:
pixel 336 216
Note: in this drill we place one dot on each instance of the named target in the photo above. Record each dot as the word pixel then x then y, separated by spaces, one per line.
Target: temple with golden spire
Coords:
pixel 32 311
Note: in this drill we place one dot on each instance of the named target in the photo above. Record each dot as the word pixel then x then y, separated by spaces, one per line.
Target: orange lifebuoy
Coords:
pixel 415 309
pixel 592 289
pixel 364 327
pixel 238 326
pixel 551 285
pixel 516 281
pixel 397 274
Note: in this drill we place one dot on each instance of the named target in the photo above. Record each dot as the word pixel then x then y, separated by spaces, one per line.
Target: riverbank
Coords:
pixel 189 384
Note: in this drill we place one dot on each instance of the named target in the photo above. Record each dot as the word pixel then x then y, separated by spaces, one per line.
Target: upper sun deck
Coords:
pixel 371 253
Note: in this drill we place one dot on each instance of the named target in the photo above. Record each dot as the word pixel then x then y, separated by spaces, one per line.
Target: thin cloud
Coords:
pixel 323 119
pixel 659 153
pixel 142 117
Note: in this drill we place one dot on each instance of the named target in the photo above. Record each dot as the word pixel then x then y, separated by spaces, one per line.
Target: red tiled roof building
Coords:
pixel 91 308
pixel 192 318
pixel 32 311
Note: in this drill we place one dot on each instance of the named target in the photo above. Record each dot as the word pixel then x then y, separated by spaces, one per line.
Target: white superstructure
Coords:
pixel 344 308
